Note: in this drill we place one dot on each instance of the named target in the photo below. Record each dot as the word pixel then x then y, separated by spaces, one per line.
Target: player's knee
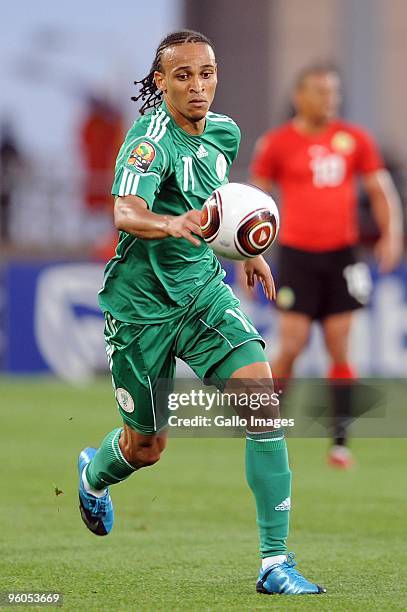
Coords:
pixel 255 397
pixel 141 455
pixel 162 443
pixel 292 348
pixel 289 353
pixel 146 458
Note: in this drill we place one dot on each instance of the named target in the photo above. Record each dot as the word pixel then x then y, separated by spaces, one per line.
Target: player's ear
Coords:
pixel 160 81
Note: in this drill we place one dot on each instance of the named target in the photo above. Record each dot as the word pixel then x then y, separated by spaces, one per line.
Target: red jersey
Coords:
pixel 316 176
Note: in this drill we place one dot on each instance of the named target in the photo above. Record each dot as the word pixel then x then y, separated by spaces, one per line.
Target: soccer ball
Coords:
pixel 239 221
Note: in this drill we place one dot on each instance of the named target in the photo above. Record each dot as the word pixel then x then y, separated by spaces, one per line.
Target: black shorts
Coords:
pixel 322 284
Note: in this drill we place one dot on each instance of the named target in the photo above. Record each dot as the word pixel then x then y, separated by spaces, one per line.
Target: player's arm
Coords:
pixel 386 209
pixel 257 268
pixel 132 215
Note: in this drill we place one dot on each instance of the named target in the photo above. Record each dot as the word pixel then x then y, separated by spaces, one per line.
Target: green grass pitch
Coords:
pixel 185 536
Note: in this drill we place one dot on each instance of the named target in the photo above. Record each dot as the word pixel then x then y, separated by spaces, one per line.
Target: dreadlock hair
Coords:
pixel 150 95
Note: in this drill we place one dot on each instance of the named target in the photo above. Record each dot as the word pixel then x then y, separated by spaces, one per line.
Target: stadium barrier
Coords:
pixel 50 323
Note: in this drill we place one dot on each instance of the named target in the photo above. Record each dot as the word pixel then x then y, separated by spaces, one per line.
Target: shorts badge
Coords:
pixel 124 400
pixel 285 298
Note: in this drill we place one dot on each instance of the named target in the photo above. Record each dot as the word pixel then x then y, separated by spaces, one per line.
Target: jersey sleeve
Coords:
pixel 236 141
pixel 141 167
pixel 226 134
pixel 231 138
pixel 264 161
pixel 368 158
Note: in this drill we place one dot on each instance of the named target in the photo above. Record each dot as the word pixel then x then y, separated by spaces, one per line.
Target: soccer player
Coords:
pixel 314 160
pixel 163 297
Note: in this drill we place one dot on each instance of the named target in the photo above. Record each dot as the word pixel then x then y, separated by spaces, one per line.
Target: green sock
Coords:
pixel 108 466
pixel 269 477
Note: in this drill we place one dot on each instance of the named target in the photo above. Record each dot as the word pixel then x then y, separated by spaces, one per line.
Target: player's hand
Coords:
pixel 259 269
pixel 389 251
pixel 241 281
pixel 184 226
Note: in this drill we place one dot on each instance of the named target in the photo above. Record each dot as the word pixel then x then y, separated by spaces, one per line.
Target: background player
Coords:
pixel 314 160
pixel 163 296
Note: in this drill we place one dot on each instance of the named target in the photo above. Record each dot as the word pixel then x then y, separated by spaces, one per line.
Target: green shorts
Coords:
pixel 214 337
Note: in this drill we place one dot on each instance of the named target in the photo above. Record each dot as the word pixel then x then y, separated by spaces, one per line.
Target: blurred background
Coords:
pixel 67 72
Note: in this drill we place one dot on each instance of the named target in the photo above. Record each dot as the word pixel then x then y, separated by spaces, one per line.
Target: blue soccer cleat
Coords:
pixel 284 579
pixel 97 512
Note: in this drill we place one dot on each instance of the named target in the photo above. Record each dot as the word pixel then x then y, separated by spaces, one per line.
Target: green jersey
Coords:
pixel 149 281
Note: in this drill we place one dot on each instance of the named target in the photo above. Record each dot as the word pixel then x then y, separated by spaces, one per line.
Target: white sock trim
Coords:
pixel 267 561
pixel 88 488
pixel 261 432
pixel 120 456
pixel 265 439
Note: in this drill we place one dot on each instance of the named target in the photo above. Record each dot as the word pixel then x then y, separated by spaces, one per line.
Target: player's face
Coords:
pixel 188 79
pixel 318 97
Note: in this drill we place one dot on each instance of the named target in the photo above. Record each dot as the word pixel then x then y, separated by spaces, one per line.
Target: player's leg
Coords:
pixel 298 302
pixel 141 450
pixel 136 366
pixel 122 452
pixel 348 286
pixel 293 333
pixel 222 346
pixel 336 329
pixel 267 469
